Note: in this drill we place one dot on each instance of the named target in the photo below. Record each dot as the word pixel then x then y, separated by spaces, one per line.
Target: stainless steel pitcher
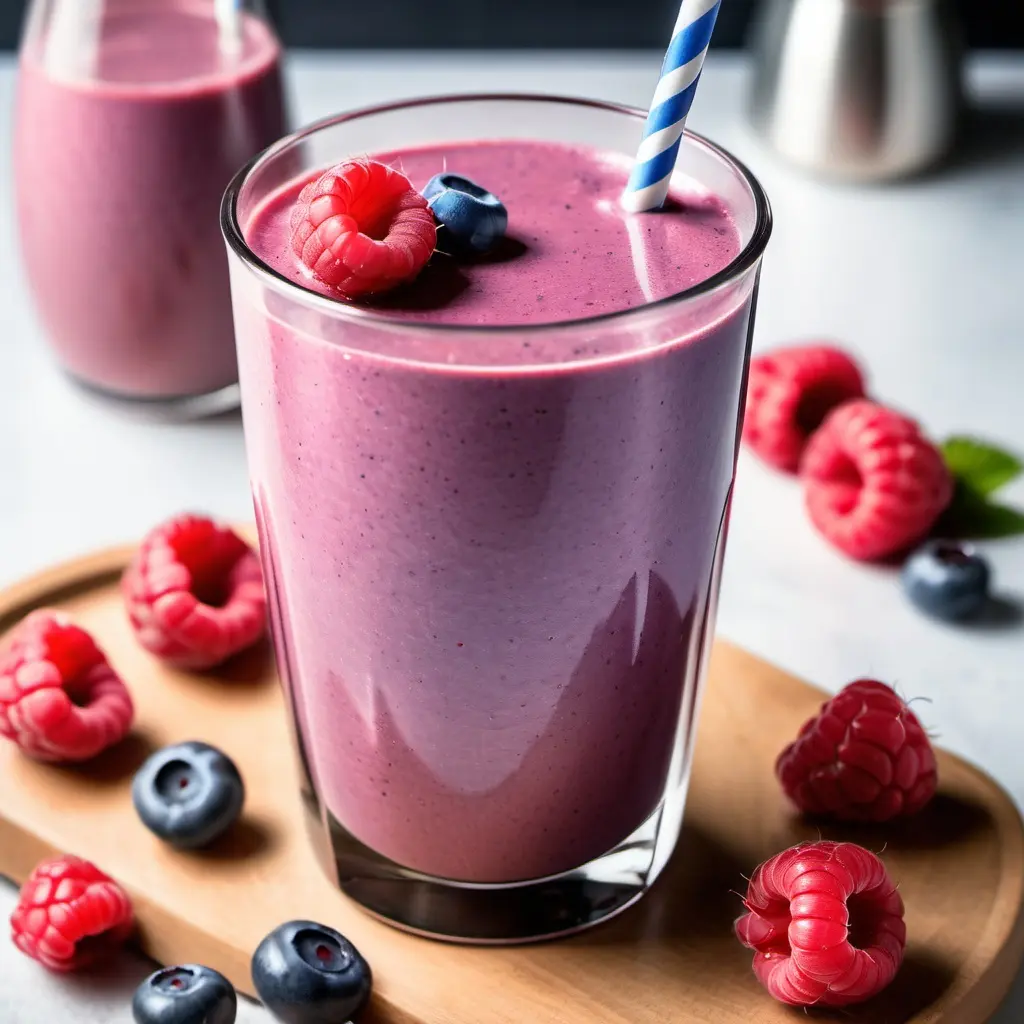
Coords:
pixel 860 89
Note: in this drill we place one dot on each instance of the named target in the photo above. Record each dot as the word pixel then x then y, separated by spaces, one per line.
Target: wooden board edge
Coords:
pixel 1003 940
pixel 74 572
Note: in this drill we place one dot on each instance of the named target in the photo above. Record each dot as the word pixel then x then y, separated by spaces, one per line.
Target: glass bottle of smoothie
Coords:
pixel 132 117
pixel 492 507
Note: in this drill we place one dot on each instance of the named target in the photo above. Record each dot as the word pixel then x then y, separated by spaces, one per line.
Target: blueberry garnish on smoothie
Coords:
pixel 470 219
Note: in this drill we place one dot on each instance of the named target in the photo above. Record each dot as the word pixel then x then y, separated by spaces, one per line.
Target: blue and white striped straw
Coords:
pixel 680 73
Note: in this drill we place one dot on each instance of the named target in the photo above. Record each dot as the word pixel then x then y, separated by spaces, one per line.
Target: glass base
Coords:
pixel 169 409
pixel 498 914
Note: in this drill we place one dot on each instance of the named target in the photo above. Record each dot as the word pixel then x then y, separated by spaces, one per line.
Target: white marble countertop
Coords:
pixel 922 280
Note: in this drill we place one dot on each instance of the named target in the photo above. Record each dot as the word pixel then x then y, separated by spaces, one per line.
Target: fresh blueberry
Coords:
pixel 189 994
pixel 947 580
pixel 470 218
pixel 188 794
pixel 307 973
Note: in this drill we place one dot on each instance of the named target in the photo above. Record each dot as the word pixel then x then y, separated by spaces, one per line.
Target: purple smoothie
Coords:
pixel 490 574
pixel 121 158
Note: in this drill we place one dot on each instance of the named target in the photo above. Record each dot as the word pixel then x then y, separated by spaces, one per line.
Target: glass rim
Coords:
pixel 232 232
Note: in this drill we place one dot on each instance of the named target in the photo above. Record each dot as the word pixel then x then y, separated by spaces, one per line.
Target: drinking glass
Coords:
pixel 492 554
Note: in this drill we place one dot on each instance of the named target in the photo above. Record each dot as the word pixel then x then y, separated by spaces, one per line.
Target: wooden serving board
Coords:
pixel 960 865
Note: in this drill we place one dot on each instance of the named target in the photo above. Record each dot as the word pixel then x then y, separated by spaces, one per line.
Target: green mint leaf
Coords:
pixel 992 522
pixel 981 467
pixel 971 516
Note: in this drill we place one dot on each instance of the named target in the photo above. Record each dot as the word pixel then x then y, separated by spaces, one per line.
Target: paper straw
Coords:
pixel 680 73
pixel 229 21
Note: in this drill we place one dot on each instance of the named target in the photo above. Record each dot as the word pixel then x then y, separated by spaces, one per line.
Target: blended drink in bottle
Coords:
pixel 492 498
pixel 138 117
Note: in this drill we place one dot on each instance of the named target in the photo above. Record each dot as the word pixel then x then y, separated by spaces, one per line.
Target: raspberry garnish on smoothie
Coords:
pixel 362 228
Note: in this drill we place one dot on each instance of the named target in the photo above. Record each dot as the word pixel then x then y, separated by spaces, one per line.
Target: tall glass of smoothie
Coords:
pixel 132 117
pixel 492 507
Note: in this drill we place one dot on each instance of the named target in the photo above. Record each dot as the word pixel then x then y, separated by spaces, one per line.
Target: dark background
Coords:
pixel 532 23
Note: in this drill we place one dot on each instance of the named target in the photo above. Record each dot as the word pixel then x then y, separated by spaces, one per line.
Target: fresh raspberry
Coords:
pixel 874 484
pixel 70 914
pixel 825 923
pixel 361 227
pixel 59 698
pixel 194 593
pixel 790 392
pixel 863 757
